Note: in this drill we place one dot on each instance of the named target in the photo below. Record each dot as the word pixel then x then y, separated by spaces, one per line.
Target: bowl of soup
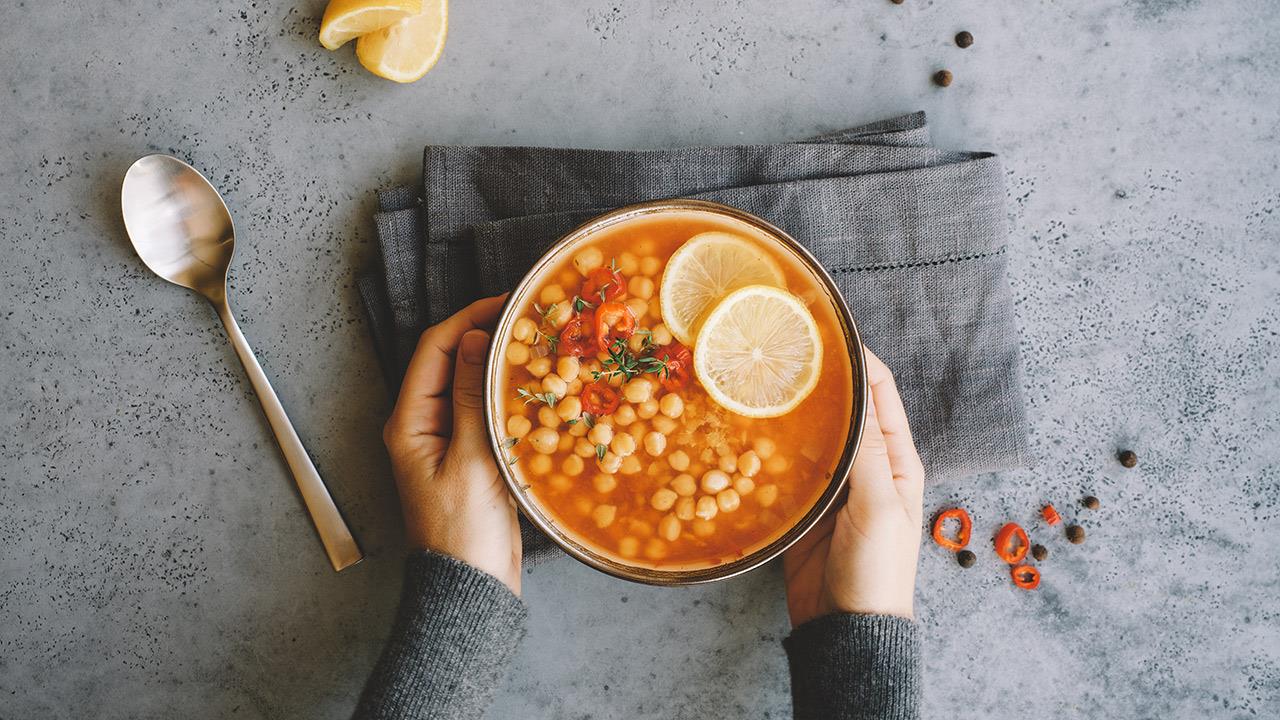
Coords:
pixel 675 392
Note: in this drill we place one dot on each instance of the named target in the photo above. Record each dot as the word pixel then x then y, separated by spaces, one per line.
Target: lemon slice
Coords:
pixel 405 51
pixel 706 268
pixel 758 352
pixel 347 19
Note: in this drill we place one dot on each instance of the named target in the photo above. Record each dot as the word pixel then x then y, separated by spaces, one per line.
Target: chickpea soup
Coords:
pixel 606 420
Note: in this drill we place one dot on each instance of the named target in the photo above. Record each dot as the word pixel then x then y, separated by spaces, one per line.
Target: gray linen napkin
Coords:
pixel 914 237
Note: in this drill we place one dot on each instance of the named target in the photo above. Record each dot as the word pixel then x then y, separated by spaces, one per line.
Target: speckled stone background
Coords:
pixel 156 563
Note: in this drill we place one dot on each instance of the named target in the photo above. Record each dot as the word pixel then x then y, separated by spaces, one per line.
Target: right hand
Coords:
pixel 862 558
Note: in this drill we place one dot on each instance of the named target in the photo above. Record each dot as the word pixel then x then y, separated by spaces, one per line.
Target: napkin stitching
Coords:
pixel 921 263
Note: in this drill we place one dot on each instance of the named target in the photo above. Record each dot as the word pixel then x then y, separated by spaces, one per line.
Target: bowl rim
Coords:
pixel 495 363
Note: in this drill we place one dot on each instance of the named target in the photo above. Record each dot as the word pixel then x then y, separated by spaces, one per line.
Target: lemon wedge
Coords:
pixel 758 352
pixel 348 19
pixel 706 268
pixel 406 50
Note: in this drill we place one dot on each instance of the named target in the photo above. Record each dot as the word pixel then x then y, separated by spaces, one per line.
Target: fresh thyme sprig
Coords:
pixel 601 449
pixel 547 397
pixel 507 445
pixel 579 304
pixel 622 361
pixel 553 340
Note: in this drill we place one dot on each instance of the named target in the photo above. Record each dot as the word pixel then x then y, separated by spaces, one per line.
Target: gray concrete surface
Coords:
pixel 154 559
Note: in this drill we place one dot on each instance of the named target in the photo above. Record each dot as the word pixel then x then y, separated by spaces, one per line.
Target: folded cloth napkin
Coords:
pixel 914 237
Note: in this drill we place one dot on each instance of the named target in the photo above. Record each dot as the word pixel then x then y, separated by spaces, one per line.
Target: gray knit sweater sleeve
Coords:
pixel 454 634
pixel 855 667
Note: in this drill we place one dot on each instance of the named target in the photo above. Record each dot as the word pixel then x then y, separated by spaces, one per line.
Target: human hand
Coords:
pixel 453 498
pixel 862 558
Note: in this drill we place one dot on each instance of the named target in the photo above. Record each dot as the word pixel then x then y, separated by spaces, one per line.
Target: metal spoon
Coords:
pixel 182 230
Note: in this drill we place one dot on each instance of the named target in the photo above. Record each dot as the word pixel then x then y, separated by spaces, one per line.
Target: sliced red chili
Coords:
pixel 614 322
pixel 1026 577
pixel 603 279
pixel 679 365
pixel 962 535
pixel 1050 514
pixel 577 339
pixel 599 399
pixel 1012 543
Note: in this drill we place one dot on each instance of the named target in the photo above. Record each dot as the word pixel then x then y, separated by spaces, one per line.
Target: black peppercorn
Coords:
pixel 942 78
pixel 1127 458
pixel 964 38
pixel 1091 502
pixel 1075 534
pixel 1039 552
pixel 966 558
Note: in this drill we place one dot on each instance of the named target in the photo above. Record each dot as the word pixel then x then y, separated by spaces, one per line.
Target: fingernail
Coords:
pixel 474 346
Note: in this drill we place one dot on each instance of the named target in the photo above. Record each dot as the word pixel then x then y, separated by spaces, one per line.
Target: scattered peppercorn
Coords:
pixel 942 78
pixel 1039 552
pixel 966 558
pixel 1127 458
pixel 964 38
pixel 1091 502
pixel 1075 534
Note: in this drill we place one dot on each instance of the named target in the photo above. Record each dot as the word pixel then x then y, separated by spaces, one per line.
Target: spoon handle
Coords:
pixel 338 542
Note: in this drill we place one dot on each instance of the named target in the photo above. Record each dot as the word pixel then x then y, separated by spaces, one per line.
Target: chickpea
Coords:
pixel 604 484
pixel 636 342
pixel 628 263
pixel 662 336
pixel 728 500
pixel 587 260
pixel 518 426
pixel 601 434
pixel 764 447
pixel 548 417
pixel 539 367
pixel 776 465
pixel 728 463
pixel 669 528
pixel 631 465
pixel 638 390
pixel 684 485
pixel 639 527
pixel 767 495
pixel 650 265
pixel 637 430
pixel 567 367
pixel 663 499
pixel 524 330
pixel 685 508
pixel 641 287
pixel 517 353
pixel 560 314
pixel 540 464
pixel 623 444
pixel 664 424
pixel 566 442
pixel 611 462
pixel 655 549
pixel 654 443
pixel 647 409
pixel 703 528
pixel 628 547
pixel 706 507
pixel 679 459
pixel 559 483
pixel 550 295
pixel 585 371
pixel 578 430
pixel 573 465
pixel 744 485
pixel 713 481
pixel 555 385
pixel 638 307
pixel 707 455
pixel 749 463
pixel 575 387
pixel 655 308
pixel 624 415
pixel 569 408
pixel 604 515
pixel 671 405
pixel 584 448
pixel 543 440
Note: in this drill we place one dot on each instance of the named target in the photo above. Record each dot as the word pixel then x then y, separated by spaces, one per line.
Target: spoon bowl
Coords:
pixel 182 230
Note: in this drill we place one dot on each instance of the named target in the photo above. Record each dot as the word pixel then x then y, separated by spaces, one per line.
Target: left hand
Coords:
pixel 453 498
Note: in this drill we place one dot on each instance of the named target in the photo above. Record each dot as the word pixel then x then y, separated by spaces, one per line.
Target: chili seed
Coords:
pixel 966 558
pixel 1127 458
pixel 942 78
pixel 1091 502
pixel 1039 552
pixel 964 38
pixel 1075 534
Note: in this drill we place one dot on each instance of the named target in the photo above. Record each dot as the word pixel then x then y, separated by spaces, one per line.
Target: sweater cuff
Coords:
pixel 855 666
pixel 455 632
